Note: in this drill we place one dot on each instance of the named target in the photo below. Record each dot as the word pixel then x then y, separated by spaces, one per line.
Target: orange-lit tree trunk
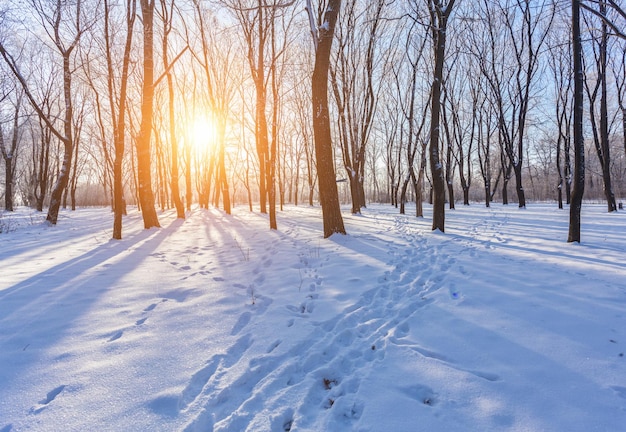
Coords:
pixel 144 175
pixel 119 123
pixel 167 16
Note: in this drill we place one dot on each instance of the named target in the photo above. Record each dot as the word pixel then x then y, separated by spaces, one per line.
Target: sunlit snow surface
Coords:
pixel 218 323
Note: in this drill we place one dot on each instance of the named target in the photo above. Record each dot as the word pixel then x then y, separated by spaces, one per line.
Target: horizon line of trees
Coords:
pixel 165 103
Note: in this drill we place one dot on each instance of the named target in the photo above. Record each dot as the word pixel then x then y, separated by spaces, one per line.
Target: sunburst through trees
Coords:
pixel 168 103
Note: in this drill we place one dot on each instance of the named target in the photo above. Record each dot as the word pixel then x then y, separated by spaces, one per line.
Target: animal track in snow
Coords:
pixel 421 393
pixel 335 350
pixel 118 334
pixel 50 396
pixel 204 376
pixel 243 320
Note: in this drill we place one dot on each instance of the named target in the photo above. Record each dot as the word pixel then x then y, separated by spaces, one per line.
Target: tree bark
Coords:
pixel 174 185
pixel 604 121
pixel 119 204
pixel 329 197
pixel 144 175
pixel 579 143
pixel 439 18
pixel 10 156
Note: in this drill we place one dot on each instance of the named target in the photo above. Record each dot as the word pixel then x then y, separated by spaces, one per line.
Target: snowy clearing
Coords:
pixel 216 323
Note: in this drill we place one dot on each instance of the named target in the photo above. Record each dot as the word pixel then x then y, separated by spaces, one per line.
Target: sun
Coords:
pixel 202 133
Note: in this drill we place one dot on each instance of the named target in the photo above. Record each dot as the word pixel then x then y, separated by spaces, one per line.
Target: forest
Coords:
pixel 261 103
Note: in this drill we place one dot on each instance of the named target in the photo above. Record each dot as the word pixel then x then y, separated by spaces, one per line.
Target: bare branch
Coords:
pixel 171 65
pixel 617 31
pixel 10 61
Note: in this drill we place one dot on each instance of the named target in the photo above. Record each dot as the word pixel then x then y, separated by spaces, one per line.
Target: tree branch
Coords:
pixel 171 65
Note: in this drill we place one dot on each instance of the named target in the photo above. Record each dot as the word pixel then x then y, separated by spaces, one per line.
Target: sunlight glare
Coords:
pixel 202 133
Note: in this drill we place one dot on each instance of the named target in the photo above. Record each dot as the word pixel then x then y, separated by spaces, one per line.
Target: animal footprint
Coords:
pixel 243 320
pixel 52 394
pixel 116 336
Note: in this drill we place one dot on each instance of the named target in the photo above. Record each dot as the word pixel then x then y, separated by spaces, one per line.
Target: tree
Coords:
pixel 561 67
pixel 526 44
pixel 143 143
pixel 439 15
pixel 119 120
pixel 600 132
pixel 167 16
pixel 9 153
pixel 355 90
pixel 619 74
pixel 322 22
pixel 579 140
pixel 413 142
pixel 55 25
pixel 258 20
pixel 602 12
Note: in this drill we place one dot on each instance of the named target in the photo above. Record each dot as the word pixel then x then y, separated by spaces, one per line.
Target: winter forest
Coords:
pixel 312 215
pixel 167 103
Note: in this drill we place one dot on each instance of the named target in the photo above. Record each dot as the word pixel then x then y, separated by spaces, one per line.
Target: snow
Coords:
pixel 218 323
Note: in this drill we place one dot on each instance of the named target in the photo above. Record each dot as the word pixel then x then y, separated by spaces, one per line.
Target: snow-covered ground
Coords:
pixel 218 323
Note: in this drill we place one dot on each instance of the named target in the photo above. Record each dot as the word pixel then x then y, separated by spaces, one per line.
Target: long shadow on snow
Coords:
pixel 36 313
pixel 570 260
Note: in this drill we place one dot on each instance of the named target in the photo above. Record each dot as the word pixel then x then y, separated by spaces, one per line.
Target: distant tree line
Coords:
pixel 166 103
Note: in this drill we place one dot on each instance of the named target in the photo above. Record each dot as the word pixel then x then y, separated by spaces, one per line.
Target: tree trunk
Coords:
pixel 144 175
pixel 519 188
pixel 222 181
pixel 43 168
pixel 68 140
pixel 405 187
pixel 329 197
pixel 9 157
pixel 439 19
pixel 355 192
pixel 579 143
pixel 8 177
pixel 175 189
pixel 119 204
pixel 604 121
pixel 188 185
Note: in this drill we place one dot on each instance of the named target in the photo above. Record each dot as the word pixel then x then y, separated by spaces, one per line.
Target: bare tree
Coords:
pixel 42 147
pixel 619 74
pixel 601 9
pixel 439 16
pixel 65 35
pixel 9 153
pixel 413 144
pixel 119 123
pixel 217 62
pixel 258 20
pixel 143 143
pixel 560 65
pixel 322 21
pixel 354 88
pixel 166 14
pixel 579 140
pixel 600 132
pixel 527 35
